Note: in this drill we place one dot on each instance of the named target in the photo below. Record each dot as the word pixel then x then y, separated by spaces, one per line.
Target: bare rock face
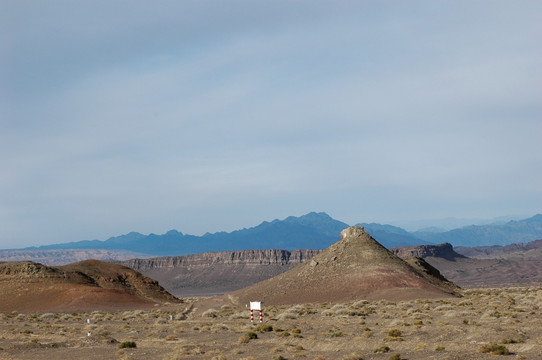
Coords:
pixel 218 272
pixel 445 251
pixel 356 267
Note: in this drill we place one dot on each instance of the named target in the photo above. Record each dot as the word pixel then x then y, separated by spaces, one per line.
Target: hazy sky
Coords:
pixel 119 116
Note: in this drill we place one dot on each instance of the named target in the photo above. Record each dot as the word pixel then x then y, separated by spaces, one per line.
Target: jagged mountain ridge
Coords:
pixel 520 231
pixel 310 231
pixel 392 236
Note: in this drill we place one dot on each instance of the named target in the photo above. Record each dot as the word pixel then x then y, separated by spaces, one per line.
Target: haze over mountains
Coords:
pixel 310 231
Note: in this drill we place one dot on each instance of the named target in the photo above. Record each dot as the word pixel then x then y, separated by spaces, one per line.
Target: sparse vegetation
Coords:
pixel 382 350
pixel 127 344
pixel 263 328
pixel 247 337
pixel 495 349
pixel 341 336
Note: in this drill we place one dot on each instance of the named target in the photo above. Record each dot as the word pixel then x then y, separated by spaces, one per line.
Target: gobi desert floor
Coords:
pixel 470 327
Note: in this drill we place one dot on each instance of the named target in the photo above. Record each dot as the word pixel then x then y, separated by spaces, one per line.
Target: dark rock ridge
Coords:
pixel 484 251
pixel 445 251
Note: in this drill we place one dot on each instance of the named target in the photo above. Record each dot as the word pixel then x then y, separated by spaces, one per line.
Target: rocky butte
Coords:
pixel 356 267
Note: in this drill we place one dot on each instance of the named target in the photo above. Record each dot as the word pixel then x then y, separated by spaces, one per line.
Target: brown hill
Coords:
pixel 84 286
pixel 356 267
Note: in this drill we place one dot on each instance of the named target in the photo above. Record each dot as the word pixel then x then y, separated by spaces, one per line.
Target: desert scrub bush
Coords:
pixel 247 337
pixel 420 347
pixel 336 334
pixel 440 348
pixel 382 350
pixel 495 349
pixel 394 335
pixel 211 313
pixel 263 328
pixel 170 338
pixel 512 341
pixel 296 333
pixel 395 357
pixel 127 344
pixel 219 357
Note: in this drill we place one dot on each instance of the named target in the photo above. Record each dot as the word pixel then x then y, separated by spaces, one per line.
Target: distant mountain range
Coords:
pixel 486 235
pixel 310 231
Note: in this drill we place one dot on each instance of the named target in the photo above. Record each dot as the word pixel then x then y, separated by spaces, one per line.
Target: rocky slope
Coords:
pixel 86 285
pixel 356 267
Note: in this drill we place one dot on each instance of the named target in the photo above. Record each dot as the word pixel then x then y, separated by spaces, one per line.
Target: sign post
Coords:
pixel 256 305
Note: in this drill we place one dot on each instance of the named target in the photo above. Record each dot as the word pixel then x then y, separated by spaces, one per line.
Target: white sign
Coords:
pixel 255 305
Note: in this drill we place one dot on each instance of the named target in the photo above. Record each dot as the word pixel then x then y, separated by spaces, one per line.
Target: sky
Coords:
pixel 205 116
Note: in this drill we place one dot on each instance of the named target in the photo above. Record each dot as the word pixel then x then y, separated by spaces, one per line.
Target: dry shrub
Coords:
pixel 394 335
pixel 291 313
pixel 420 347
pixel 339 309
pixel 247 337
pixel 211 313
pixel 495 349
pixel 263 328
pixel 240 315
pixel 382 350
pixel 189 350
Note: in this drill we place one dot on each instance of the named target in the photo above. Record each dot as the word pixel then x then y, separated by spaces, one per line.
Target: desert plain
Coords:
pixel 472 326
pixel 354 300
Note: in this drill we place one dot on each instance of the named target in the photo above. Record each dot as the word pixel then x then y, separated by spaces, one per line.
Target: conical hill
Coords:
pixel 356 267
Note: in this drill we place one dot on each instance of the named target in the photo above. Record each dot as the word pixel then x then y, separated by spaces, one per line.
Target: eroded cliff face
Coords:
pixel 218 272
pixel 244 257
pixel 445 251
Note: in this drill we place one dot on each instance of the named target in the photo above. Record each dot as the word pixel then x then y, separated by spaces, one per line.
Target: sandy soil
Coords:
pixel 452 328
